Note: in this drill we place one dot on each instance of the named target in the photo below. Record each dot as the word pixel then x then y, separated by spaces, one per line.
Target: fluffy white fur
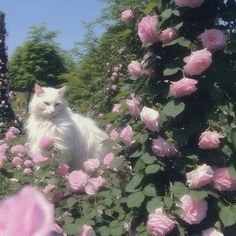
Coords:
pixel 78 137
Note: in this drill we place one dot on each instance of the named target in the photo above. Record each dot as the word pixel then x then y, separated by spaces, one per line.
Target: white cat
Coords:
pixel 78 137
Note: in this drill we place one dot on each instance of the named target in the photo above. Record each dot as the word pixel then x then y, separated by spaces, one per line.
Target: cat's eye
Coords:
pixel 46 103
pixel 57 104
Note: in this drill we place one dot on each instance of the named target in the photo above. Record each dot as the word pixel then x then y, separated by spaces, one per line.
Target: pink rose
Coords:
pixel 183 87
pixel 168 35
pixel 91 165
pixel 193 211
pixel 213 39
pixel 46 143
pixel 3 148
pixel 9 135
pixel 94 184
pixel 26 213
pixel 133 106
pixel 147 29
pixel 108 159
pixel 127 16
pixel 135 68
pixel 14 130
pixel 151 118
pixel 222 180
pixel 40 158
pixel 189 3
pixel 77 180
pixel 159 224
pixel 27 171
pixel 18 149
pixel 116 69
pixel 199 177
pixel 17 161
pixel 114 135
pixel 86 230
pixel 211 232
pixel 127 134
pixel 28 164
pixel 209 140
pixel 48 188
pixel 197 62
pixel 2 159
pixel 114 87
pixel 162 148
pixel 116 107
pixel 62 169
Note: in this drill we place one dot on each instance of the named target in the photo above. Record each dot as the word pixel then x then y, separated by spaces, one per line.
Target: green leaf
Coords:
pixel 148 159
pixel 233 137
pixel 152 169
pixel 141 137
pixel 173 108
pixel 117 162
pixel 150 190
pixel 201 194
pixel 134 183
pixel 155 203
pixel 227 215
pixel 181 41
pixel 135 199
pixel 178 189
pixel 168 201
pixel 232 170
pixel 167 13
pixel 150 6
pixel 171 71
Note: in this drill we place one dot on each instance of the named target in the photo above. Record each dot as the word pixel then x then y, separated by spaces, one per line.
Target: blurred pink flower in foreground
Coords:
pixel 27 213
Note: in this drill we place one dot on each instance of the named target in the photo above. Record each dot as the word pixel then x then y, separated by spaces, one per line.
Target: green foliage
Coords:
pixel 39 60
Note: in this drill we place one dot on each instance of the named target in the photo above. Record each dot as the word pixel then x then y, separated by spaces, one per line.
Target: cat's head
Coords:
pixel 47 102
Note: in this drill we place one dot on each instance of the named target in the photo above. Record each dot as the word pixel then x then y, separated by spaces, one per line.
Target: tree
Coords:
pixel 39 60
pixel 6 112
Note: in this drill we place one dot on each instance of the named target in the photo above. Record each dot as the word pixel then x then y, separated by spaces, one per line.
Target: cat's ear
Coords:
pixel 62 91
pixel 38 90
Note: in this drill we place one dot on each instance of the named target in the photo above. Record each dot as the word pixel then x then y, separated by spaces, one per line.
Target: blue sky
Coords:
pixel 65 16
